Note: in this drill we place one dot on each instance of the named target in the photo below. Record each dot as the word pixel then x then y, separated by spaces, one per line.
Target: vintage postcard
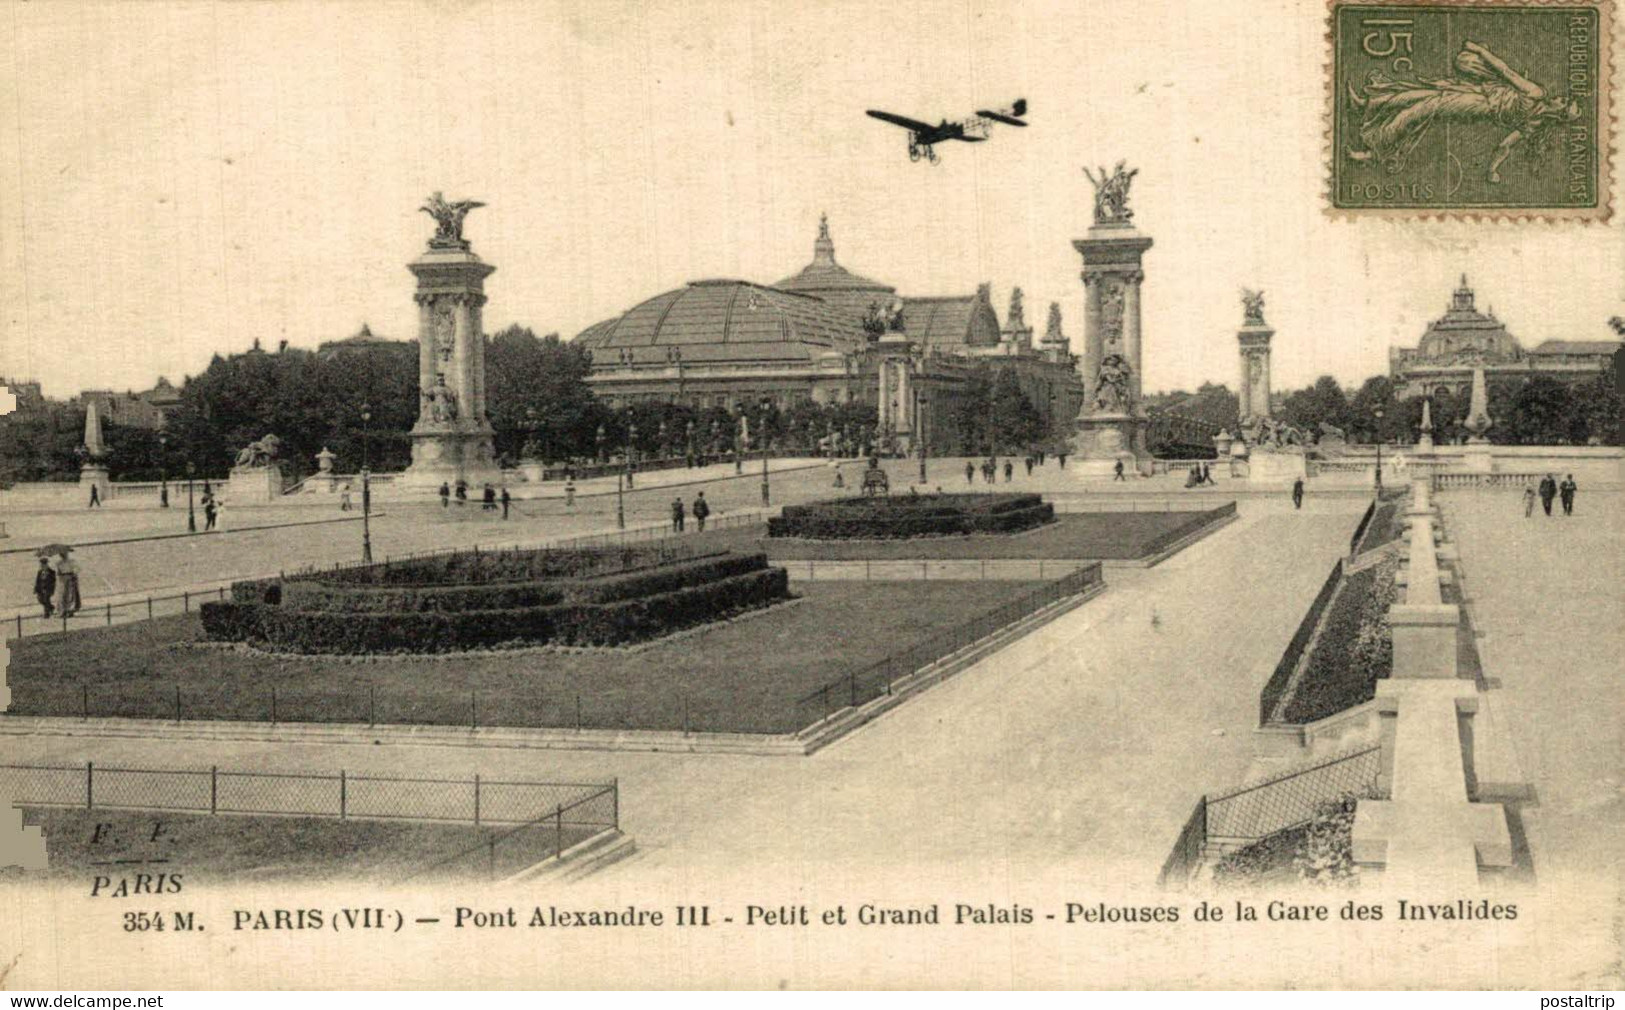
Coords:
pixel 688 494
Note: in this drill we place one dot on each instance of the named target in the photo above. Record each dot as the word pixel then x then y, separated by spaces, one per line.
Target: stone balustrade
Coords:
pixel 1429 831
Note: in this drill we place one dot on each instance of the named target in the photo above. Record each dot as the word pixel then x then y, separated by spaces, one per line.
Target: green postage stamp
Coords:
pixel 1471 108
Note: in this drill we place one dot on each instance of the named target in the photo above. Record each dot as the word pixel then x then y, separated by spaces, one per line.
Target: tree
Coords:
pixel 1599 409
pixel 1016 424
pixel 1542 413
pixel 548 376
pixel 1322 402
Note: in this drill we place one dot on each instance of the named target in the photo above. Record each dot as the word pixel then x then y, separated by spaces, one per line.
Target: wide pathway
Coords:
pixel 1071 757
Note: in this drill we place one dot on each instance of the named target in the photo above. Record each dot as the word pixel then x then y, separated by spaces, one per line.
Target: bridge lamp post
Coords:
pixel 366 485
pixel 762 434
pixel 920 402
pixel 1377 413
pixel 191 512
pixel 163 471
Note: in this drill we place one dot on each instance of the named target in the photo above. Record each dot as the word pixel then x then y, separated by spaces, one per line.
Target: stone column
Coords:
pixel 1131 337
pixel 1115 433
pixel 1091 344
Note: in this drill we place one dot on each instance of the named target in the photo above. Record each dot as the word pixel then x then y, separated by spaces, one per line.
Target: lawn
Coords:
pixel 1096 536
pixel 233 849
pixel 1354 650
pixel 745 676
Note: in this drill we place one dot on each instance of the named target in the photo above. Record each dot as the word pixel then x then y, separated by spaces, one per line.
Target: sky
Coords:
pixel 181 179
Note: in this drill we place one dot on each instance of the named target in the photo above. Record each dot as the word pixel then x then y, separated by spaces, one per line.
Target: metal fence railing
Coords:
pixel 107 614
pixel 1289 800
pixel 1275 689
pixel 860 686
pixel 341 795
pixel 547 836
pixel 1186 856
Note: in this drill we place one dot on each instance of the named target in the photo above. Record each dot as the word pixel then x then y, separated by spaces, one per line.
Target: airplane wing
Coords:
pixel 999 117
pixel 903 121
pixel 969 139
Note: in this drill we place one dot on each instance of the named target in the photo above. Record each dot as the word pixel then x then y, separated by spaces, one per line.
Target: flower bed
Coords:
pixel 311 614
pixel 890 518
pixel 1320 852
pixel 1355 648
pixel 311 595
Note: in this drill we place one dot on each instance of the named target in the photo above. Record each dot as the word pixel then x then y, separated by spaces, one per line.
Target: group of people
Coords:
pixel 1550 489
pixel 490 499
pixel 679 513
pixel 58 588
pixel 1197 475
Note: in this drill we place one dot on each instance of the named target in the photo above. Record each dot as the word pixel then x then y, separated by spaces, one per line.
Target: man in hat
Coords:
pixel 702 508
pixel 45 586
pixel 677 514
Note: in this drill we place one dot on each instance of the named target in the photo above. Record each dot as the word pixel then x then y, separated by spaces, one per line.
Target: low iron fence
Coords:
pixel 860 686
pixel 1186 856
pixel 1290 800
pixel 1270 697
pixel 339 795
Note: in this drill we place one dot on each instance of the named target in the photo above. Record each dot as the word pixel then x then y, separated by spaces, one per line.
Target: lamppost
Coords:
pixel 739 443
pixel 631 440
pixel 163 471
pixel 600 443
pixel 762 434
pixel 920 401
pixel 661 446
pixel 366 485
pixel 688 443
pixel 1377 413
pixel 533 429
pixel 191 513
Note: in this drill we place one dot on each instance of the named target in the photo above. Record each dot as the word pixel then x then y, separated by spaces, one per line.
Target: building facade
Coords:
pixel 829 336
pixel 1465 338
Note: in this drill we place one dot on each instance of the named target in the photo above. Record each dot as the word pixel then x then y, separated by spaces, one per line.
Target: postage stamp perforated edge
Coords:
pixel 1607 125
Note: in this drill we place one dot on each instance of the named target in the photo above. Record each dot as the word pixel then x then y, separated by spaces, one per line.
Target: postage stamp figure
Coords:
pixel 1472 108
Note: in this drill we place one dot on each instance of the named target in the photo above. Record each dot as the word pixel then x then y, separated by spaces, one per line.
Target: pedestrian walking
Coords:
pixel 211 512
pixel 1528 500
pixel 45 586
pixel 702 508
pixel 95 498
pixel 677 515
pixel 461 494
pixel 1297 493
pixel 569 492
pixel 1029 462
pixel 507 500
pixel 67 574
pixel 1117 472
pixel 1009 468
pixel 445 494
pixel 1062 457
pixel 1566 491
pixel 840 481
pixel 1548 491
pixel 488 499
pixel 970 472
pixel 344 500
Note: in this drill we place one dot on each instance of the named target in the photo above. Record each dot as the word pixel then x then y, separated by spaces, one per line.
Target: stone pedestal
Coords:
pixel 1112 423
pixel 453 439
pixel 1104 439
pixel 1271 466
pixel 257 485
pixel 94 475
pixel 533 470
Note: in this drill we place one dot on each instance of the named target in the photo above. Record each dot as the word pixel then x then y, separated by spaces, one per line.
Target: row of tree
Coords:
pixel 361 405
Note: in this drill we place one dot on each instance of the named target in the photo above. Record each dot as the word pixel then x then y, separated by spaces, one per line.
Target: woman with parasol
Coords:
pixel 67 580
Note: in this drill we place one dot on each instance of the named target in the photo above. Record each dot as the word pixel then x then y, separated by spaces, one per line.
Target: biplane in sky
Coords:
pixel 922 137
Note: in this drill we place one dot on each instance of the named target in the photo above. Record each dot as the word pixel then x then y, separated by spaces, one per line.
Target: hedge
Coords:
pixel 912 516
pixel 1354 650
pixel 477 567
pixel 583 624
pixel 316 596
